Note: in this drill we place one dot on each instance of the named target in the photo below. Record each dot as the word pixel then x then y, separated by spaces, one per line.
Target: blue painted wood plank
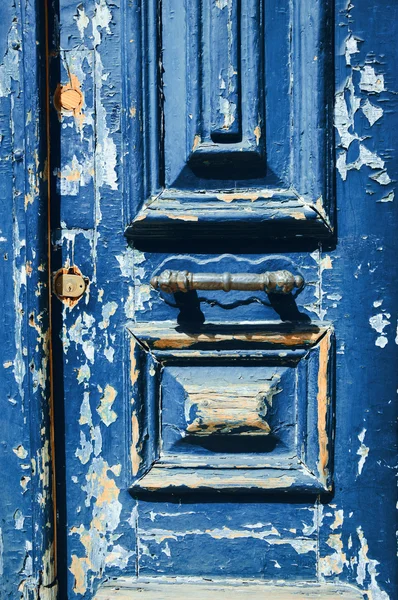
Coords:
pixel 27 562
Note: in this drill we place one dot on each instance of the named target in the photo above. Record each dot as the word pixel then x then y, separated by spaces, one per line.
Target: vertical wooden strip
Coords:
pixel 27 567
pixel 225 71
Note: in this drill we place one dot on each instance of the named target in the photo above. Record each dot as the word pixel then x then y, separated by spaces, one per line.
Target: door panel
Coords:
pixel 203 434
pixel 242 144
pixel 260 422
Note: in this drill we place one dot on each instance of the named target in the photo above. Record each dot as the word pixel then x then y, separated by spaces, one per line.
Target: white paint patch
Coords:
pixel 334 296
pixel 366 158
pixel 85 411
pixel 105 411
pixel 83 373
pixel 363 451
pixel 118 557
pixel 82 333
pixel 338 519
pixel 228 110
pixel 129 304
pixel 344 115
pixel 371 82
pixel 73 176
pixel 20 451
pixel 389 198
pixel 333 564
pixel 347 104
pixel 108 310
pixel 126 263
pixel 101 20
pixel 96 438
pixel 276 564
pixel 19 278
pixel 382 177
pixel 105 152
pixel 379 322
pixel 351 47
pixel 381 341
pixel 19 519
pixel 86 448
pixel 142 296
pixel 109 354
pixel 166 550
pixel 366 564
pixel 372 113
pixel 82 20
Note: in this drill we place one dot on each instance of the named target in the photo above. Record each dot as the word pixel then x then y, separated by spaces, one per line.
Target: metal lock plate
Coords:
pixel 69 285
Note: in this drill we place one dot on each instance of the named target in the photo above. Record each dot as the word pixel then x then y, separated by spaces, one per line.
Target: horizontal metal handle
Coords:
pixel 272 282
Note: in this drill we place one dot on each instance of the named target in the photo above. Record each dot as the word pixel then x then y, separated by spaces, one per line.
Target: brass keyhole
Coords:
pixel 69 286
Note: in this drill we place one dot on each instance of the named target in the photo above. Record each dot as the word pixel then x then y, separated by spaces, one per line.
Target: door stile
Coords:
pixel 26 500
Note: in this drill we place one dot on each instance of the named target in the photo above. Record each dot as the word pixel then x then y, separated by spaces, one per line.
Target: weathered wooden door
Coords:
pixel 207 433
pixel 223 228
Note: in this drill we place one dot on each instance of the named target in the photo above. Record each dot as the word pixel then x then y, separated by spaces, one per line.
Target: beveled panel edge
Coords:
pixel 162 478
pixel 211 216
pixel 129 588
pixel 160 340
pixel 168 336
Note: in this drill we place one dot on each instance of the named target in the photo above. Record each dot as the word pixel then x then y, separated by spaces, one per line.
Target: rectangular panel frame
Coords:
pixel 296 202
pixel 158 344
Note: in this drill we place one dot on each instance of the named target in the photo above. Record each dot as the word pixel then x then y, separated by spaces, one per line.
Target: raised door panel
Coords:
pixel 232 408
pixel 233 126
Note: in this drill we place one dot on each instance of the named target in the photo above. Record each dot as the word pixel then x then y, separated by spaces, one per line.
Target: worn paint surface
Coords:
pixel 191 179
pixel 27 561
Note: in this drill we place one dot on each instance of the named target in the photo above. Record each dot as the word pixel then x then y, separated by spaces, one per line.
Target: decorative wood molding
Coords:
pixel 175 446
pixel 211 164
pixel 125 588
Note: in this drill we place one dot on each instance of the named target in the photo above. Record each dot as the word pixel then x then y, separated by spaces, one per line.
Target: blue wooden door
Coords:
pixel 210 426
pixel 223 319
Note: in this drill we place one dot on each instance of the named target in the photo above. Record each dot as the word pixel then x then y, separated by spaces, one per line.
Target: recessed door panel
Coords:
pixel 232 407
pixel 237 139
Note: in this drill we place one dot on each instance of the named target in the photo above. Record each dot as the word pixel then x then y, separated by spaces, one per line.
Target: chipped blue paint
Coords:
pixel 27 564
pixel 111 154
pixel 104 531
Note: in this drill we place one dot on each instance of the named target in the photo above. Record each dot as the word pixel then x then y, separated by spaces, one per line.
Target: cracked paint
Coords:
pixel 9 67
pixel 108 416
pixel 379 322
pixel 347 104
pixel 362 452
pixel 102 494
pixel 97 392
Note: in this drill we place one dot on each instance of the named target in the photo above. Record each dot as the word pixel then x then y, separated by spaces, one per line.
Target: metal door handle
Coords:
pixel 272 282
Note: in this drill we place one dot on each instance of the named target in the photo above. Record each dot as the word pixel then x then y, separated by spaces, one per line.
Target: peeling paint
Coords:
pixel 9 67
pixel 378 323
pixel 362 452
pixel 82 20
pixel 372 113
pixel 333 564
pixel 367 565
pixel 104 410
pixel 371 82
pixel 108 310
pixel 96 540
